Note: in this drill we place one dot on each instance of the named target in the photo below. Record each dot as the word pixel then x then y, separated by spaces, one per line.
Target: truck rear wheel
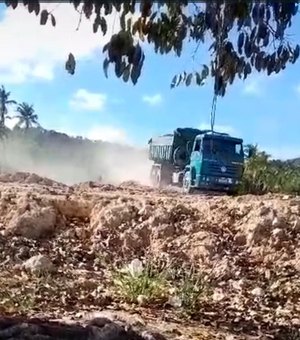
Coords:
pixel 155 177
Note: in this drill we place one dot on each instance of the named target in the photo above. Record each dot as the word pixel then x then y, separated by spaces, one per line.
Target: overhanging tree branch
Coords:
pixel 165 26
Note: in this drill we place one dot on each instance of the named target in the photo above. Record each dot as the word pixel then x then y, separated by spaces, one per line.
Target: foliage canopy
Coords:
pixel 263 175
pixel 245 35
pixel 26 116
pixel 4 103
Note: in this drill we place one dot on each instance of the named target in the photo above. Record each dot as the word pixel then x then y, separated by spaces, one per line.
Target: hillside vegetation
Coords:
pixel 71 159
pixel 263 175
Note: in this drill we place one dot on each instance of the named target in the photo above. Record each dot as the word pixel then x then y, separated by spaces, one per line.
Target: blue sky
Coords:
pixel 261 110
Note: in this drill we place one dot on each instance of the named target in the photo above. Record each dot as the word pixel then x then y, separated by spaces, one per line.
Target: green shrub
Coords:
pixel 263 175
pixel 137 282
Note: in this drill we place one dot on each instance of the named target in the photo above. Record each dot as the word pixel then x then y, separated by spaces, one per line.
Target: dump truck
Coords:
pixel 197 160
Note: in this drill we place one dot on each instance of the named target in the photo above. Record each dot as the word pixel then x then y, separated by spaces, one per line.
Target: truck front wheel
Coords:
pixel 187 182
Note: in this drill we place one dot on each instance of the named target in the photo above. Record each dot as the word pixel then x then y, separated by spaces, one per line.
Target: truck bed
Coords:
pixel 161 148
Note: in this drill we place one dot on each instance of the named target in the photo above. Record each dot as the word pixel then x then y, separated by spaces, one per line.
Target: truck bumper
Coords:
pixel 217 183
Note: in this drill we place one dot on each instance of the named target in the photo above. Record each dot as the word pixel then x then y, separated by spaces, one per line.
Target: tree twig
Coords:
pixel 80 19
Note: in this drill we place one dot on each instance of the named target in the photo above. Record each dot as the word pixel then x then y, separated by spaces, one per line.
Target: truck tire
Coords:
pixel 154 176
pixel 160 176
pixel 165 176
pixel 187 183
pixel 157 181
pixel 180 156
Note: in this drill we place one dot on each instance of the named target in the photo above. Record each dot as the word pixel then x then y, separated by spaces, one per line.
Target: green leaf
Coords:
pixel 53 21
pixel 241 40
pixel 12 3
pixel 126 73
pixel 173 82
pixel 105 47
pixel 268 14
pixel 247 47
pixel 212 46
pixel 119 68
pixel 188 80
pixel 122 21
pixel 105 67
pixel 181 78
pixel 44 17
pixel 117 5
pixel 266 39
pixel 129 23
pixel 135 74
pixel 261 11
pixel 255 13
pixel 205 72
pixel 153 15
pixel 136 70
pixel 198 79
pixel 76 3
pixel 96 23
pixel 103 25
pixel 247 70
pixel 71 64
pixel 296 53
pixel 34 6
pixel 137 55
pixel 107 8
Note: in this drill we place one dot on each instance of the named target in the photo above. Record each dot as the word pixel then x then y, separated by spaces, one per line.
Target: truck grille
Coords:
pixel 214 169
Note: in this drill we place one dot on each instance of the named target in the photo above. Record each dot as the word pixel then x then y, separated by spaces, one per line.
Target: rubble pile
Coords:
pixel 248 248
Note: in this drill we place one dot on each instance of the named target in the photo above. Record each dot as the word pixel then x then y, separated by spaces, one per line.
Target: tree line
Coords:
pixel 265 175
pixel 25 112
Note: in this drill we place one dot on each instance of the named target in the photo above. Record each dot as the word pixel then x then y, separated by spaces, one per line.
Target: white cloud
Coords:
pixel 256 84
pixel 31 51
pixel 11 123
pixel 297 89
pixel 153 100
pixel 107 133
pixel 253 87
pixel 219 128
pixel 85 100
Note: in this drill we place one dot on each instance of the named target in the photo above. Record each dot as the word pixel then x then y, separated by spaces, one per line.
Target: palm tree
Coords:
pixel 26 116
pixel 250 150
pixel 4 102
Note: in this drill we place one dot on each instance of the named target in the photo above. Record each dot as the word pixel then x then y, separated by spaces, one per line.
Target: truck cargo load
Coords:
pixel 174 148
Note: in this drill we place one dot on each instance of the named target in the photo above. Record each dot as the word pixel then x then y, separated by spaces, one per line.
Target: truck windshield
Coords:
pixel 221 148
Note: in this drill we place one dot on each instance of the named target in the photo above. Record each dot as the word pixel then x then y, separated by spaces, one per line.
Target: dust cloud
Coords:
pixel 73 160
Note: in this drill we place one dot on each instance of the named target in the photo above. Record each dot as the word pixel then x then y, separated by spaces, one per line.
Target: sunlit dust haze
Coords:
pixel 72 160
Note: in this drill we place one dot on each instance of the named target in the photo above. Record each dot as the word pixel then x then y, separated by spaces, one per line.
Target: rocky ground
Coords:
pixel 131 262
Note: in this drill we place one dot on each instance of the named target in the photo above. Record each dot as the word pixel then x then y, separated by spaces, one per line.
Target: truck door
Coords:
pixel 196 161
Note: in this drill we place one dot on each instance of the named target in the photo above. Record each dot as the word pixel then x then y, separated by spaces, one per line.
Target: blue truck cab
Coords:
pixel 197 159
pixel 216 163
